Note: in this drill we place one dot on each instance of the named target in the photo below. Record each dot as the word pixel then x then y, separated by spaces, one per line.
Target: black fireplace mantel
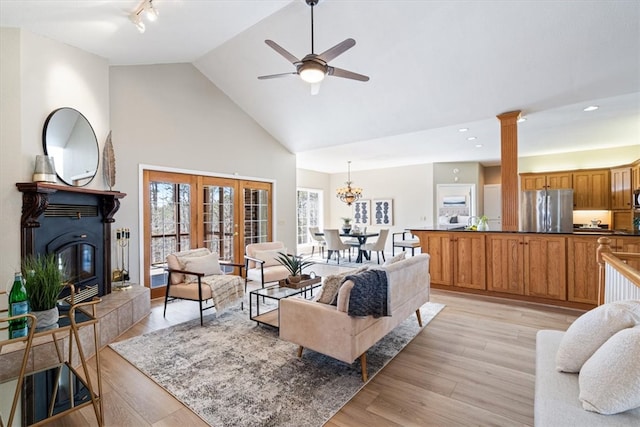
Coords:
pixel 36 198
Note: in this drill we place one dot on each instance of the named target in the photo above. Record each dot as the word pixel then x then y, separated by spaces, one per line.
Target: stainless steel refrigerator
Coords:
pixel 546 211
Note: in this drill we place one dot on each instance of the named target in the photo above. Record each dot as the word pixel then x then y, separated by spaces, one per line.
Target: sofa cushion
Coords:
pixel 589 331
pixel 331 285
pixel 610 379
pixel 270 257
pixel 207 265
pixel 401 256
pixel 176 260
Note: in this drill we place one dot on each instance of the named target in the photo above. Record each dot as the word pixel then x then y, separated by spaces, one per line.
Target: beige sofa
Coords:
pixel 330 330
pixel 556 395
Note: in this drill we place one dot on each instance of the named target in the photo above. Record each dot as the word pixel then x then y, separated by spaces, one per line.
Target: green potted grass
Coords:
pixel 294 264
pixel 43 281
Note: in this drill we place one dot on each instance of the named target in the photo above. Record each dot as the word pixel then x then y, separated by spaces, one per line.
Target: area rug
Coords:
pixel 232 372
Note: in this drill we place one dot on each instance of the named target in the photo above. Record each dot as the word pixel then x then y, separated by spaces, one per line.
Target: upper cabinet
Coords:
pixel 591 189
pixel 621 193
pixel 540 181
pixel 635 175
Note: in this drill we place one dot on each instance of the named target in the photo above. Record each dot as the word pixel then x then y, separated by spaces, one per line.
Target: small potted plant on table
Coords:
pixel 294 264
pixel 43 283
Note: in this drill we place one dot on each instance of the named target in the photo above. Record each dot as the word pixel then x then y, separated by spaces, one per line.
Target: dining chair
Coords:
pixel 378 245
pixel 335 244
pixel 318 241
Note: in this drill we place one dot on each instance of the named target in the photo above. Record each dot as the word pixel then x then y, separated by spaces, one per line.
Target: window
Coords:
pixel 309 212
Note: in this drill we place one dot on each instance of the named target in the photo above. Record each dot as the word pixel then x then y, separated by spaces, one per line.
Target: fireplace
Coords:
pixel 75 224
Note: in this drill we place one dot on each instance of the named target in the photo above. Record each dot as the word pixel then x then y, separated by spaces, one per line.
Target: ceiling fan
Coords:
pixel 313 68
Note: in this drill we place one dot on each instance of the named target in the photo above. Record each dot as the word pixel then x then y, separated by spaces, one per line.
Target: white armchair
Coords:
pixel 261 263
pixel 196 275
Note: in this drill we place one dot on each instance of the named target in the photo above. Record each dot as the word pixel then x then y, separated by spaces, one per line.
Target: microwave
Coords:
pixel 636 199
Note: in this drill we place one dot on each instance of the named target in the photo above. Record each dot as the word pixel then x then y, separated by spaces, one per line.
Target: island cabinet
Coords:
pixel 457 259
pixel 582 270
pixel 591 189
pixel 627 244
pixel 531 265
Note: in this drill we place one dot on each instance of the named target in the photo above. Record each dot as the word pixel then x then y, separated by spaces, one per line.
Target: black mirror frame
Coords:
pixel 95 140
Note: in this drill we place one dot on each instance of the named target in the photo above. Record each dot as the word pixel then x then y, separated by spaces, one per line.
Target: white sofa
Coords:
pixel 556 394
pixel 329 330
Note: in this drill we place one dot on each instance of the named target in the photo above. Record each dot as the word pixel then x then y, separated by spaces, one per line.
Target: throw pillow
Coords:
pixel 396 258
pixel 610 380
pixel 176 260
pixel 270 257
pixel 593 329
pixel 331 285
pixel 207 265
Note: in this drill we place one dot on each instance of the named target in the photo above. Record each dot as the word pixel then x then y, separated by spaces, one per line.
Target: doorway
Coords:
pixel 186 211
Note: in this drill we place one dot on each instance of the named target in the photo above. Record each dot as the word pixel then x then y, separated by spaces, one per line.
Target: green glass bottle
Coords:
pixel 18 304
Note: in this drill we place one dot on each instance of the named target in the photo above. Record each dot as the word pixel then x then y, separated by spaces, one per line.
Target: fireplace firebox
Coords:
pixel 75 224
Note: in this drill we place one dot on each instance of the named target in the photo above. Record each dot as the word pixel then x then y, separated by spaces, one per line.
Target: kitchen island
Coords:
pixel 550 268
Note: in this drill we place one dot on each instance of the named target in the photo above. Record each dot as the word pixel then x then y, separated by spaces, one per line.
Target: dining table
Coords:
pixel 362 239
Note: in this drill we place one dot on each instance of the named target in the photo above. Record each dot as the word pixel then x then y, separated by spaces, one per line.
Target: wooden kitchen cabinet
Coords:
pixel 540 181
pixel 438 246
pixel 545 266
pixel 621 193
pixel 627 244
pixel 532 265
pixel 635 176
pixel 457 259
pixel 469 258
pixel 505 263
pixel 591 189
pixel 582 271
pixel 622 220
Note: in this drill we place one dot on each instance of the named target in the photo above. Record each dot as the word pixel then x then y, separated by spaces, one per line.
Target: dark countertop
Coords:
pixel 576 232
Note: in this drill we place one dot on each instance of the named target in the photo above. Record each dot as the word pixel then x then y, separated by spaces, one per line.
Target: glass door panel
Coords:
pixel 169 223
pixel 257 212
pixel 219 221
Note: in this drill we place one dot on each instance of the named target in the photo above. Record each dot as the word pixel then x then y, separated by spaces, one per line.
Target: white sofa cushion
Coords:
pixel 610 380
pixel 589 331
pixel 207 265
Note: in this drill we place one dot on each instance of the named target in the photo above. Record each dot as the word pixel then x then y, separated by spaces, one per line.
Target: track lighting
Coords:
pixel 150 12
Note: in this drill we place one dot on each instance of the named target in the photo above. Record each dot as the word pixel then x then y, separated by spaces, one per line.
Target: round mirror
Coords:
pixel 70 139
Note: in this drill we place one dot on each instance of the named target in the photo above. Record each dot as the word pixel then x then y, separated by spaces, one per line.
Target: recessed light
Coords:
pixel 463 129
pixel 591 108
pixel 522 119
pixel 478 145
pixel 471 138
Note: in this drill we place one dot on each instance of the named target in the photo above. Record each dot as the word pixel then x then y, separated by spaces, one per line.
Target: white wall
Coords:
pixel 410 187
pixel 38 76
pixel 172 116
pixel 592 159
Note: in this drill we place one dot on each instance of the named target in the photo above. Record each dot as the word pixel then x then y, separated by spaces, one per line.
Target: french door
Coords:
pixel 184 211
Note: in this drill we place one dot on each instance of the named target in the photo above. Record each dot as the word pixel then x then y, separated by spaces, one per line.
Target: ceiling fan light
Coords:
pixel 312 75
pixel 137 21
pixel 151 12
pixel 312 72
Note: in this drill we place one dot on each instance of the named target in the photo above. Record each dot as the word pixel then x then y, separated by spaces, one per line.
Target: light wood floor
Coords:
pixel 472 365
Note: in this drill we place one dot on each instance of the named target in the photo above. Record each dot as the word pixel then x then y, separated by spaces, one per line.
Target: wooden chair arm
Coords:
pixel 248 258
pixel 173 270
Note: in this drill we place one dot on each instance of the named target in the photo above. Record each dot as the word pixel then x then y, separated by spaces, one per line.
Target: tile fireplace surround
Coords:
pixel 117 312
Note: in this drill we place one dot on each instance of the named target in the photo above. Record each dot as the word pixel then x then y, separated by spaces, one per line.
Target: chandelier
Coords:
pixel 349 194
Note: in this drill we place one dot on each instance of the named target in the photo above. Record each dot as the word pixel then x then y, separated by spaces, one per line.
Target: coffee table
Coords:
pixel 268 314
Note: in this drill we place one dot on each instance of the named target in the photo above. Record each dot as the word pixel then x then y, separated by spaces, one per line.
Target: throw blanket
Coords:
pixel 370 294
pixel 225 290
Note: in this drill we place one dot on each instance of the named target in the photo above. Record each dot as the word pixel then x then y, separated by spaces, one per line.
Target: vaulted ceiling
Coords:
pixel 435 67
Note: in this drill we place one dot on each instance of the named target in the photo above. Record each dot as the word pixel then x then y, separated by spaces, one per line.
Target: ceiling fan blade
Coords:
pixel 282 51
pixel 315 88
pixel 339 72
pixel 275 76
pixel 338 49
